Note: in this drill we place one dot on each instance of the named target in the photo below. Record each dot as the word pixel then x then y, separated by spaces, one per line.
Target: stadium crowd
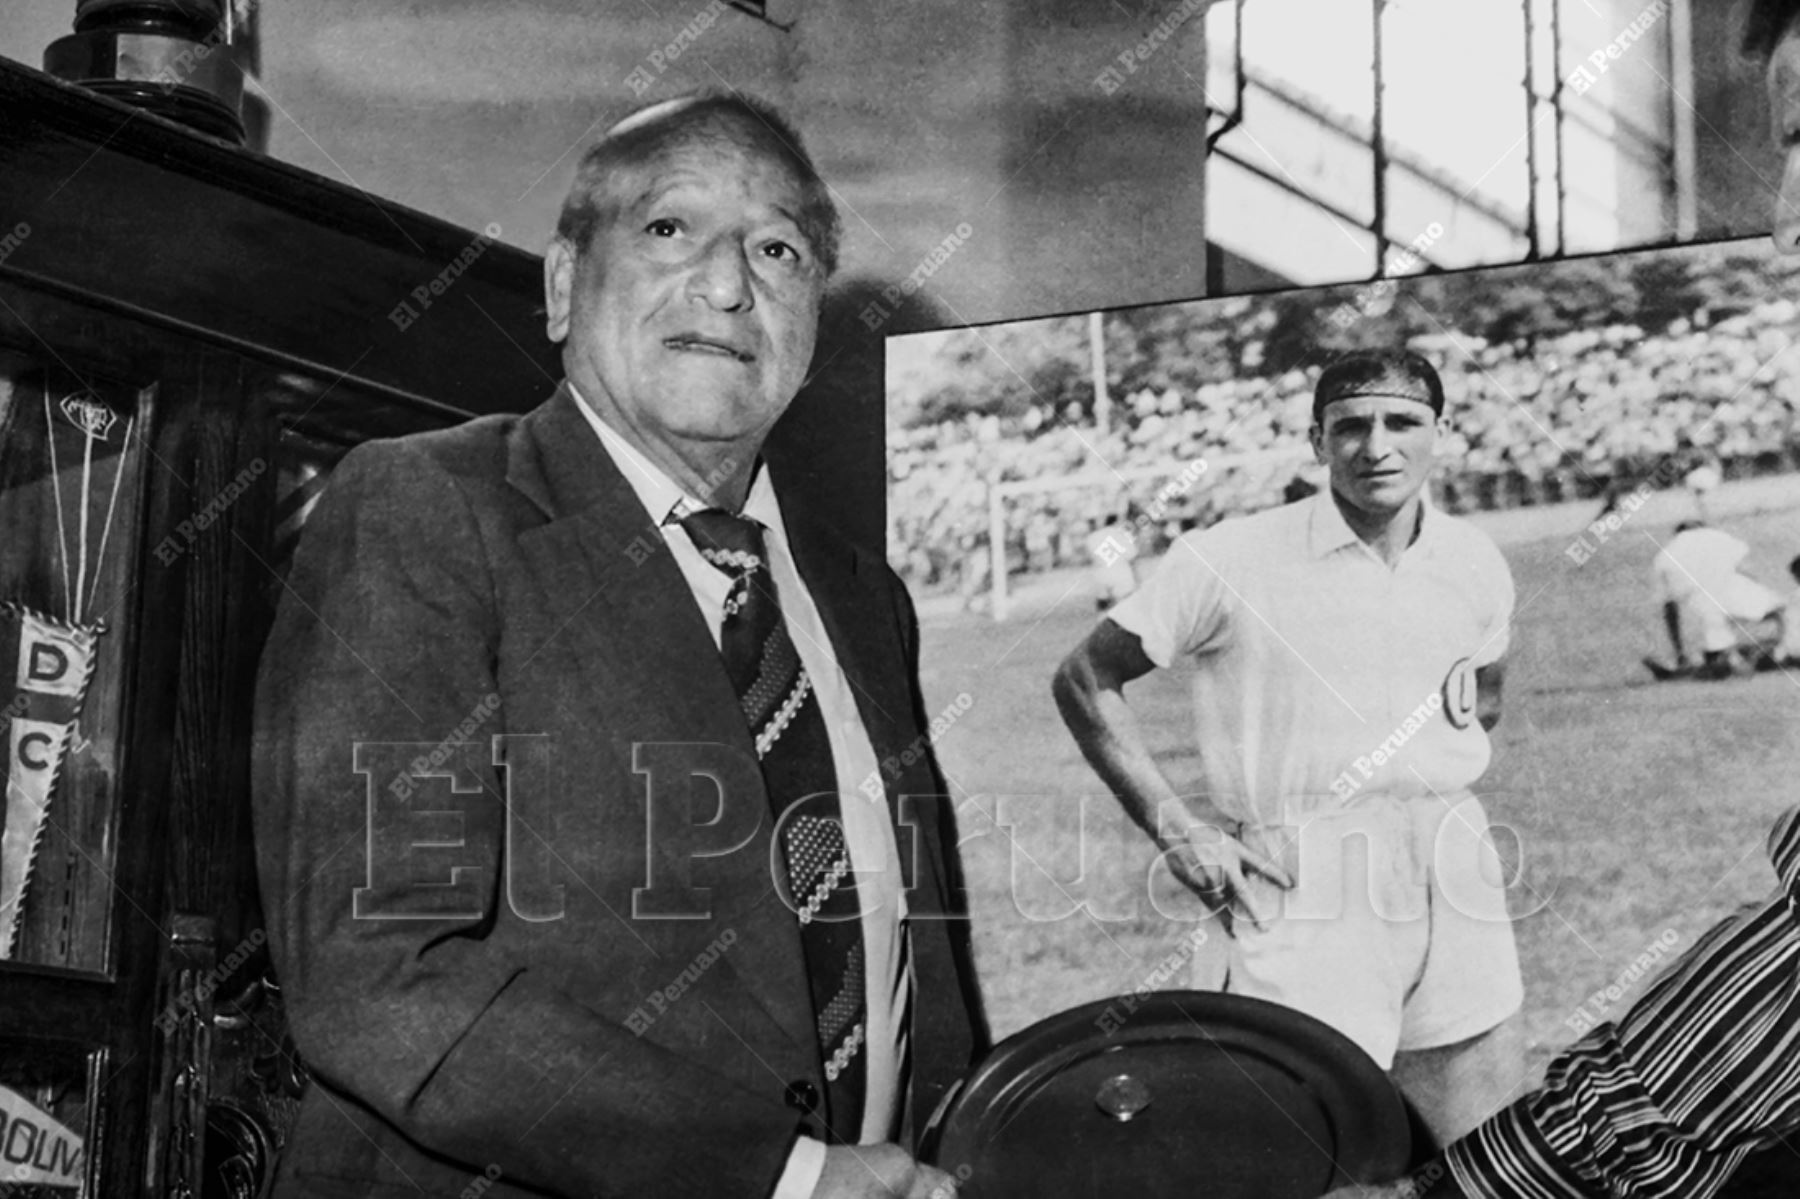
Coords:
pixel 1568 417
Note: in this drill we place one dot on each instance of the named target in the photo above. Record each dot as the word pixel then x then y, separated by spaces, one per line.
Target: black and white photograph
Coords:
pixel 792 600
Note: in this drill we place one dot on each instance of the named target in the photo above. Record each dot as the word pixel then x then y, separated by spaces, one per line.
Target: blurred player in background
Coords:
pixel 1347 656
pixel 1699 577
pixel 1114 547
pixel 1704 1069
pixel 1788 652
pixel 1701 482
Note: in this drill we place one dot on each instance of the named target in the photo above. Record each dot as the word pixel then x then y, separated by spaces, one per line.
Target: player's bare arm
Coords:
pixel 1488 682
pixel 1090 693
pixel 1672 622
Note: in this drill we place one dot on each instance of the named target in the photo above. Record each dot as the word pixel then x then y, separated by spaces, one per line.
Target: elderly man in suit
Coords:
pixel 583 873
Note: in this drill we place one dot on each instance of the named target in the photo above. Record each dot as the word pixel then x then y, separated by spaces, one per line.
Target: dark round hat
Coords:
pixel 1174 1093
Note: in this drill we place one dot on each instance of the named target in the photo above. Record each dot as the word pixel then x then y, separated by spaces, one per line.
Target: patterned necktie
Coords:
pixel 794 749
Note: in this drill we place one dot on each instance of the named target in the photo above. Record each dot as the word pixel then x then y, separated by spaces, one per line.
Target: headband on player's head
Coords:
pixel 1397 374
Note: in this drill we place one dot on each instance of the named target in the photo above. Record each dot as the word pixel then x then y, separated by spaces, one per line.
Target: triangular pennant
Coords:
pixel 53 662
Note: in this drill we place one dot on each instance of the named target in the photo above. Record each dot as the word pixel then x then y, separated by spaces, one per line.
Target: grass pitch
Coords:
pixel 1640 809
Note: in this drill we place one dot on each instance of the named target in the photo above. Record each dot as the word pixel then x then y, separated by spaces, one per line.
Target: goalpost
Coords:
pixel 1180 479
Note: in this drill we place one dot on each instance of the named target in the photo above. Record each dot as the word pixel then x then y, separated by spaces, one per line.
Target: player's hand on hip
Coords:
pixel 880 1172
pixel 1218 865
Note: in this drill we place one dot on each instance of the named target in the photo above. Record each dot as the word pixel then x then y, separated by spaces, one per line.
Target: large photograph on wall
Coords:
pixel 1622 429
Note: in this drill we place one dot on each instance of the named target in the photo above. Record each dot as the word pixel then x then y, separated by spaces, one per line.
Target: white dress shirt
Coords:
pixel 868 830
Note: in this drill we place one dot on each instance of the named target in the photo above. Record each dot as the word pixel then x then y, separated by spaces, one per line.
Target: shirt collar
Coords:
pixel 1327 528
pixel 1328 531
pixel 663 498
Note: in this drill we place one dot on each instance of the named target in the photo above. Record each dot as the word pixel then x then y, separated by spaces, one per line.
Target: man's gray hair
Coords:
pixel 647 131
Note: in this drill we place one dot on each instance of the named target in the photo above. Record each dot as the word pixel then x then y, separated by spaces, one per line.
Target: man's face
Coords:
pixel 1784 112
pixel 1379 449
pixel 690 317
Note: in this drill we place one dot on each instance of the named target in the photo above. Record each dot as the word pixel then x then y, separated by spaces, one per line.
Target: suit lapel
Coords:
pixel 857 614
pixel 623 611
pixel 857 607
pixel 611 582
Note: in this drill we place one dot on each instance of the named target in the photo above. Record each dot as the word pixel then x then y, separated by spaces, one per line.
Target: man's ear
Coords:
pixel 559 285
pixel 1316 435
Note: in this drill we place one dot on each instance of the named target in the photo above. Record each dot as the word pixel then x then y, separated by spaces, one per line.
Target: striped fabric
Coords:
pixel 794 750
pixel 1702 1071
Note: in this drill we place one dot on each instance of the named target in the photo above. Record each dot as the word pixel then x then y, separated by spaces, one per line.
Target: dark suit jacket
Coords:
pixel 468 979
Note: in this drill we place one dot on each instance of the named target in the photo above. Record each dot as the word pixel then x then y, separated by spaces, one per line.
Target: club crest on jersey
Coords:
pixel 1460 690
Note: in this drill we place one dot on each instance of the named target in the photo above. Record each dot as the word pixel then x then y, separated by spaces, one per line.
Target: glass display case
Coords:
pixel 71 486
pixel 44 1104
pixel 191 336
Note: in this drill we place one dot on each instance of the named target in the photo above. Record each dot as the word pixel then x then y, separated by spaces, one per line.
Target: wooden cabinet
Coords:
pixel 190 337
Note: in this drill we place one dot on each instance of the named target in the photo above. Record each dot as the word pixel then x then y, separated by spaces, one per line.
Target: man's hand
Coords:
pixel 1216 865
pixel 1433 1178
pixel 880 1172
